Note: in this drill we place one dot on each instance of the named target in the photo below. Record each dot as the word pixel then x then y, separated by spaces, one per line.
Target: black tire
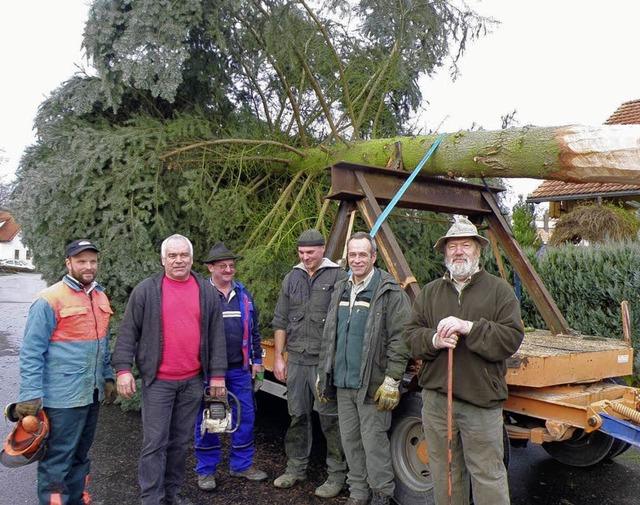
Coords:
pixel 581 450
pixel 414 485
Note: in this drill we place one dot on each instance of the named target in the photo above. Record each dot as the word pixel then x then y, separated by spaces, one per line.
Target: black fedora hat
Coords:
pixel 220 252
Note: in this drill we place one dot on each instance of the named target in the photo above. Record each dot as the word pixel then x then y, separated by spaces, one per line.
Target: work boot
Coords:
pixel 380 498
pixel 250 473
pixel 207 482
pixel 287 480
pixel 329 489
pixel 353 501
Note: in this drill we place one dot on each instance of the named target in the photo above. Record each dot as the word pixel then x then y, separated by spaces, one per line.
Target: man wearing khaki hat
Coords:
pixel 298 324
pixel 478 316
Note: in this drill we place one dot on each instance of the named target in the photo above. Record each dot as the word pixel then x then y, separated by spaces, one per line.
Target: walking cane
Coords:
pixel 449 424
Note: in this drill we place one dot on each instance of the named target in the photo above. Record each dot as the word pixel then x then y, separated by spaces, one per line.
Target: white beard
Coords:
pixel 462 271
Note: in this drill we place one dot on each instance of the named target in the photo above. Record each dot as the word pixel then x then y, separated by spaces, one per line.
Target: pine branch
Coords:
pixel 207 143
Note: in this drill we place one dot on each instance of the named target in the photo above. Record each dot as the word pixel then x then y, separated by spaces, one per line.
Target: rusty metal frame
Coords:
pixel 369 188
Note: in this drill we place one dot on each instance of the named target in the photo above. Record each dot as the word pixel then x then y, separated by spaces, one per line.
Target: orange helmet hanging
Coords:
pixel 27 442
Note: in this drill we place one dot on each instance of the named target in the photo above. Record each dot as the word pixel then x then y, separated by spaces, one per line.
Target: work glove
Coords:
pixel 321 397
pixel 28 408
pixel 388 394
pixel 257 382
pixel 110 392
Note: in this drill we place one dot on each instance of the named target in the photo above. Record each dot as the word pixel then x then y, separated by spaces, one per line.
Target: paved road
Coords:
pixel 17 291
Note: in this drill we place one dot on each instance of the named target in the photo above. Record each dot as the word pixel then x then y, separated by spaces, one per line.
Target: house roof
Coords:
pixel 9 228
pixel 627 113
pixel 549 191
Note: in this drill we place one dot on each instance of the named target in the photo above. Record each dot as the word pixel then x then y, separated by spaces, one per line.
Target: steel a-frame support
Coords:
pixel 368 188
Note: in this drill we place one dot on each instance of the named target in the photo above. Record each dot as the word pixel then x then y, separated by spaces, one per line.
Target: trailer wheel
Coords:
pixel 409 454
pixel 581 450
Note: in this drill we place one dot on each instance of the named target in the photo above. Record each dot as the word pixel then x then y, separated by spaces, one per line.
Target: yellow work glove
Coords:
pixel 321 397
pixel 110 392
pixel 28 408
pixel 388 394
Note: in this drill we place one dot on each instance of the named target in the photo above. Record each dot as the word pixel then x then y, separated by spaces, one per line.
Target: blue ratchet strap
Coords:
pixel 404 187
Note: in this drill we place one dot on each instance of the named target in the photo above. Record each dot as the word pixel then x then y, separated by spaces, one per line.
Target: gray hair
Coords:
pixel 364 235
pixel 176 236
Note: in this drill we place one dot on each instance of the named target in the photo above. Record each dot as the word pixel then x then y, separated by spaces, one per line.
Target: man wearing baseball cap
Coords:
pixel 65 369
pixel 478 316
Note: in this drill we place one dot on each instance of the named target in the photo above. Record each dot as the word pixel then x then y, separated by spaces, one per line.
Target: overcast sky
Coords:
pixel 555 62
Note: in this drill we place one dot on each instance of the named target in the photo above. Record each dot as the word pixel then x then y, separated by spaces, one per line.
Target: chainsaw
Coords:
pixel 217 414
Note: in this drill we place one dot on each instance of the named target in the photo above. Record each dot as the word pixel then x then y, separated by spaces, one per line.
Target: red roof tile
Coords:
pixel 8 227
pixel 550 189
pixel 627 113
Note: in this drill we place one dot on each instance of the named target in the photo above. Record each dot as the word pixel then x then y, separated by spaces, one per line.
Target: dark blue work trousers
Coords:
pixel 208 449
pixel 63 470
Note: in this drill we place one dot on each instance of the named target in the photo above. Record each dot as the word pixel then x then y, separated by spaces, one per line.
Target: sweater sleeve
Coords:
pixel 418 331
pixel 498 336
pixel 129 332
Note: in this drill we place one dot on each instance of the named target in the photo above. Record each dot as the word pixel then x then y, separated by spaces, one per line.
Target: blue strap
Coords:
pixel 404 187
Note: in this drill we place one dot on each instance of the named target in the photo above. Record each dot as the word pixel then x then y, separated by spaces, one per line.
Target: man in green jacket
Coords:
pixel 476 314
pixel 362 361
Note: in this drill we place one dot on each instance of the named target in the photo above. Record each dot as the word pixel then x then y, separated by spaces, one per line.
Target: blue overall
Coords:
pixel 243 350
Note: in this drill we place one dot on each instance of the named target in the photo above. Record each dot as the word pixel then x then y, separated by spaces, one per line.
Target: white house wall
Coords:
pixel 8 249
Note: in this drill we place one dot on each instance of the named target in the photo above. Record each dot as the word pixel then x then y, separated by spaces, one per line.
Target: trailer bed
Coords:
pixel 545 359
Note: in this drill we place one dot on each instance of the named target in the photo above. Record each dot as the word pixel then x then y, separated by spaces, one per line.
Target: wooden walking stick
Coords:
pixel 449 424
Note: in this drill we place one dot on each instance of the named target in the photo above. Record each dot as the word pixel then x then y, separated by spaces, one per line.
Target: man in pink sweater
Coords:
pixel 173 328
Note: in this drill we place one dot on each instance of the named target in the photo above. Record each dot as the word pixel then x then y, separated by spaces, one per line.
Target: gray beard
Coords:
pixel 462 271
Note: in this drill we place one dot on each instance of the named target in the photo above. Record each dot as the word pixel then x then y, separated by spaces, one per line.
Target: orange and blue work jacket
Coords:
pixel 65 352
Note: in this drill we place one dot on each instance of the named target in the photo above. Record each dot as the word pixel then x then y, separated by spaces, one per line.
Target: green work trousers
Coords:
pixel 366 445
pixel 301 398
pixel 477 451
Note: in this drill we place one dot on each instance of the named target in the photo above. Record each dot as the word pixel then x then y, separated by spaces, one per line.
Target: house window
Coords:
pixel 16 254
pixel 28 254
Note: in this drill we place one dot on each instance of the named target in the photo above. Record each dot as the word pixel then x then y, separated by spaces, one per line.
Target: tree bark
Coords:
pixel 566 153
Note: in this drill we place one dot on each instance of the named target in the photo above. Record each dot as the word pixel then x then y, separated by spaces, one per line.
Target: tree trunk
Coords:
pixel 566 153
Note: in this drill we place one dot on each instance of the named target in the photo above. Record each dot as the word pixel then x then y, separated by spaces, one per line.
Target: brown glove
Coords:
pixel 28 408
pixel 110 392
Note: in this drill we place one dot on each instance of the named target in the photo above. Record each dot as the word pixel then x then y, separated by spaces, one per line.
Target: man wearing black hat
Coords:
pixel 244 362
pixel 298 323
pixel 65 369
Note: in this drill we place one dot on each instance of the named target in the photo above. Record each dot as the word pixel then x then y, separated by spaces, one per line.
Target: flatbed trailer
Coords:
pixel 566 390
